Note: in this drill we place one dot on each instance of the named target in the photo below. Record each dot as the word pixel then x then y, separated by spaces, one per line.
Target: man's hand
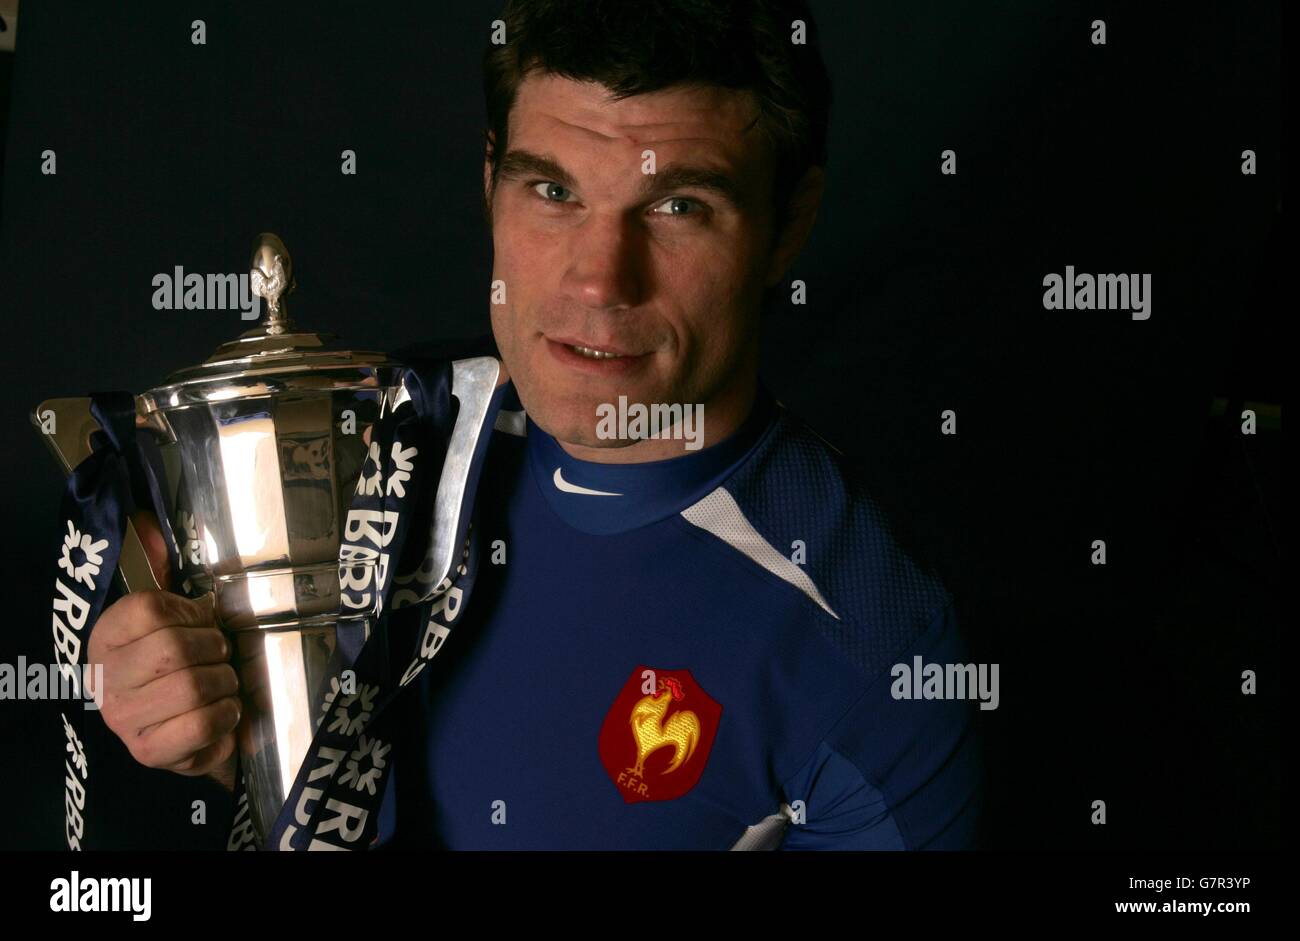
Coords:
pixel 170 693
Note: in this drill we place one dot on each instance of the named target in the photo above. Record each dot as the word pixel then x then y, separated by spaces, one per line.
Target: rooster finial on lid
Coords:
pixel 272 278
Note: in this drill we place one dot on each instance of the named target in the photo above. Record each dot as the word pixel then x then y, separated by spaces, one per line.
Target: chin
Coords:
pixel 565 406
pixel 571 420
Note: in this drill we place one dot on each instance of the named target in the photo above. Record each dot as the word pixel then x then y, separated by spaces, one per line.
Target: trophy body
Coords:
pixel 261 466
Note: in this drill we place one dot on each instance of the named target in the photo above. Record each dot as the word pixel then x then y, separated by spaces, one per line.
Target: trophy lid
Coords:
pixel 273 356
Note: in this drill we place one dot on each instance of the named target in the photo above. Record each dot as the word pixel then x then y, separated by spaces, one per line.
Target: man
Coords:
pixel 679 641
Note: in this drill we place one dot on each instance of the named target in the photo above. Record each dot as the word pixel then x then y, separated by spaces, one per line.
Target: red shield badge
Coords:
pixel 657 735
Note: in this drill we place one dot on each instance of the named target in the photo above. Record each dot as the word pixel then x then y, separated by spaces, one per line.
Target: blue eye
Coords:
pixel 679 199
pixel 553 193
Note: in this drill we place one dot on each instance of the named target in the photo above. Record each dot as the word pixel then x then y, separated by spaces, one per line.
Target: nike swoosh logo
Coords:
pixel 564 485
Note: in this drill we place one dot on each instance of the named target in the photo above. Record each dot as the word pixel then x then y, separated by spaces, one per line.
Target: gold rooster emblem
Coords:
pixel 681 731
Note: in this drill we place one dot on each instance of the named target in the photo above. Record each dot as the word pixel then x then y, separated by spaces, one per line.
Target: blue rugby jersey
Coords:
pixel 654 664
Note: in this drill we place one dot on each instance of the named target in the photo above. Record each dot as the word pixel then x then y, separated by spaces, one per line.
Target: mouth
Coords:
pixel 594 358
pixel 591 353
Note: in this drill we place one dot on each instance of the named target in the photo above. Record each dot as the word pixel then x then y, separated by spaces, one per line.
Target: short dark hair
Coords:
pixel 634 47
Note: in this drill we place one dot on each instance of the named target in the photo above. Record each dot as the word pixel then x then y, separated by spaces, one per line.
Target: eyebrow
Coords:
pixel 520 163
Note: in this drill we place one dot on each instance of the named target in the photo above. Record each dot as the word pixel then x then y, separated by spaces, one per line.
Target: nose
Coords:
pixel 606 263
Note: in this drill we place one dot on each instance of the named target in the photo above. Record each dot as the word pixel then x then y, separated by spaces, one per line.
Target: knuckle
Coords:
pixel 112 719
pixel 120 713
pixel 110 623
pixel 193 687
pixel 204 727
pixel 112 709
pixel 142 751
pixel 136 614
pixel 220 644
pixel 193 736
pixel 209 641
pixel 188 645
pixel 150 606
pixel 232 713
pixel 194 613
pixel 229 679
pixel 172 651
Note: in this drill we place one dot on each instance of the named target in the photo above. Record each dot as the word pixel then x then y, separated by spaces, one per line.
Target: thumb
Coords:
pixel 155 546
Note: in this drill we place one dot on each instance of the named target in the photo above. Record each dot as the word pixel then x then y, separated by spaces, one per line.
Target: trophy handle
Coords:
pixel 69 440
pixel 473 383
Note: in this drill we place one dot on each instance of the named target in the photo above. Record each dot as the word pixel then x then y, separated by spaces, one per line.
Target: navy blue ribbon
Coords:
pixel 336 797
pixel 99 495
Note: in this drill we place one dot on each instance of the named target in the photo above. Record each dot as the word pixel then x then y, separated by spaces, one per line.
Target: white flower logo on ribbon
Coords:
pixel 193 546
pixel 344 722
pixel 369 485
pixel 376 751
pixel 74 747
pixel 90 548
pixel 329 700
pixel 404 462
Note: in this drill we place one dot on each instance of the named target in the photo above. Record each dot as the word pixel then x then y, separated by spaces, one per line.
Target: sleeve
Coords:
pixel 899 771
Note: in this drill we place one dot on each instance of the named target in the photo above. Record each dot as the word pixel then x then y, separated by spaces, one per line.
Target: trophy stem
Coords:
pixel 292 679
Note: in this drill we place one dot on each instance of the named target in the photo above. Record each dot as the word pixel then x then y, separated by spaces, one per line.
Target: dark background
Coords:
pixel 1119 683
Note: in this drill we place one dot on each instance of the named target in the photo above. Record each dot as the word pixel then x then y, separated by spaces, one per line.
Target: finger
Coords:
pixel 209 758
pixel 178 693
pixel 255 679
pixel 141 613
pixel 176 741
pixel 155 546
pixel 164 651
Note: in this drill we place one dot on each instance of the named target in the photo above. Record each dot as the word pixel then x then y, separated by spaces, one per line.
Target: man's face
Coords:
pixel 665 270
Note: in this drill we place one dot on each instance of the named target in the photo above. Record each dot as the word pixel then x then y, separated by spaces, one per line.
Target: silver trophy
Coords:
pixel 262 446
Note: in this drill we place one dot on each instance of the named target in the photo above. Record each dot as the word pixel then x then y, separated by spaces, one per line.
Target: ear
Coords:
pixel 490 139
pixel 805 200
